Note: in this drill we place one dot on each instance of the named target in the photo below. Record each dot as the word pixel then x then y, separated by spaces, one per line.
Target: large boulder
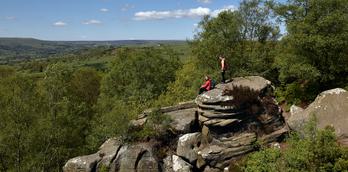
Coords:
pixel 82 163
pixel 208 99
pixel 330 108
pixel 136 157
pixel 179 165
pixel 188 145
pixel 108 152
pixel 204 135
pixel 183 117
pixel 101 159
pixel 235 115
pixel 183 121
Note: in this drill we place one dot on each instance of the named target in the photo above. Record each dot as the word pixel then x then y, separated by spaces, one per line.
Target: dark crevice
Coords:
pixel 117 151
pixel 141 154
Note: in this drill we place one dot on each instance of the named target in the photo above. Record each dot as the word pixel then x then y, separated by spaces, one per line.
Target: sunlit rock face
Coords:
pixel 234 116
pixel 330 108
pixel 221 125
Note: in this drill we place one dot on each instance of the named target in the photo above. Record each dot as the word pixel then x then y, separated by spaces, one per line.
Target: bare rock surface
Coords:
pixel 188 145
pixel 90 163
pixel 330 108
pixel 204 135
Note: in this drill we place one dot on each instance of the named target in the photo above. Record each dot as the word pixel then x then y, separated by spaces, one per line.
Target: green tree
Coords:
pixel 136 78
pixel 18 118
pixel 314 53
pixel 246 37
pixel 185 87
pixel 217 36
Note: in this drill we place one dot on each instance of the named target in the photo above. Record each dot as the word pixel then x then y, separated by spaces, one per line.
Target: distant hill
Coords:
pixel 18 49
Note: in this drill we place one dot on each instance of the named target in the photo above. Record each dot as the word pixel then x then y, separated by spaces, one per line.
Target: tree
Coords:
pixel 314 53
pixel 18 116
pixel 185 87
pixel 136 78
pixel 217 36
pixel 246 37
pixel 139 76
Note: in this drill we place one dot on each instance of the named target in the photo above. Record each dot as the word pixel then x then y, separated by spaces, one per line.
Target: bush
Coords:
pixel 242 96
pixel 156 126
pixel 316 150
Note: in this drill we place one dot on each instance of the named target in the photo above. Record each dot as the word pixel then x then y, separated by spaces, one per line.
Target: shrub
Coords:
pixel 242 96
pixel 316 150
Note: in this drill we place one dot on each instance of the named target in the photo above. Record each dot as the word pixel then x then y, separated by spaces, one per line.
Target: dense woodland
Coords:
pixel 55 109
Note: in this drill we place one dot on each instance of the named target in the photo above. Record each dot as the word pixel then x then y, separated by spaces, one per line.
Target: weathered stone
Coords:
pixel 168 164
pixel 214 114
pixel 211 169
pixel 256 83
pixel 216 96
pixel 101 159
pixel 82 163
pixel 180 106
pixel 138 157
pixel 200 162
pixel 220 122
pixel 227 132
pixel 210 152
pixel 183 120
pixel 115 165
pixel 228 153
pixel 329 108
pixel 179 165
pixel 206 136
pixel 188 145
pixel 147 163
pixel 272 137
pixel 218 108
pixel 239 140
pixel 295 109
pixel 108 151
pixel 202 118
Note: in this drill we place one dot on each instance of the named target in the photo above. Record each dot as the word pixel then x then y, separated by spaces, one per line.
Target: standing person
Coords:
pixel 223 68
pixel 207 85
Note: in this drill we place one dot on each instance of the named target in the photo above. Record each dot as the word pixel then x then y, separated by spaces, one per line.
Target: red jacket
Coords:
pixel 207 85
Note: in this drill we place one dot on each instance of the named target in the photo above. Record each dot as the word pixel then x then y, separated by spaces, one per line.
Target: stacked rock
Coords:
pixel 230 127
pixel 221 125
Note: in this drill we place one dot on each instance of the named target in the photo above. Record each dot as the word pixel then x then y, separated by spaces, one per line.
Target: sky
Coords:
pixel 106 19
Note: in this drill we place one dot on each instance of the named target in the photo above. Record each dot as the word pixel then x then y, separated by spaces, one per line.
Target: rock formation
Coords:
pixel 206 134
pixel 330 108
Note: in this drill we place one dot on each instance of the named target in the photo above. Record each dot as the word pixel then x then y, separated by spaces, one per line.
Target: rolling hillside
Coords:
pixel 19 49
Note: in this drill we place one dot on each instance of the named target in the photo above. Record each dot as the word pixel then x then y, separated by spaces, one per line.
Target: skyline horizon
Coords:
pixel 108 19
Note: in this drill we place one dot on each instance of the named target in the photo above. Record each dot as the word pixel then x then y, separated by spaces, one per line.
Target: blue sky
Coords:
pixel 106 19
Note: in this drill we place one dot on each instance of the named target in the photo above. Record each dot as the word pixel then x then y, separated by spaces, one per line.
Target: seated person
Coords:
pixel 207 86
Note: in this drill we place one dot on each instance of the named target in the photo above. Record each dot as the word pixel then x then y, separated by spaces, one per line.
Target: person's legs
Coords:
pixel 202 90
pixel 223 76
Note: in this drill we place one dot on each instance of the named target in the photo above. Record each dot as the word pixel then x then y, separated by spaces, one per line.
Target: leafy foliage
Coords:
pixel 317 150
pixel 315 48
pixel 242 96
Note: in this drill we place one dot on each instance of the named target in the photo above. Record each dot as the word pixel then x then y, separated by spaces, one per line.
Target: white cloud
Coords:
pixel 187 13
pixel 205 1
pixel 215 13
pixel 127 7
pixel 92 22
pixel 60 24
pixel 104 10
pixel 156 15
